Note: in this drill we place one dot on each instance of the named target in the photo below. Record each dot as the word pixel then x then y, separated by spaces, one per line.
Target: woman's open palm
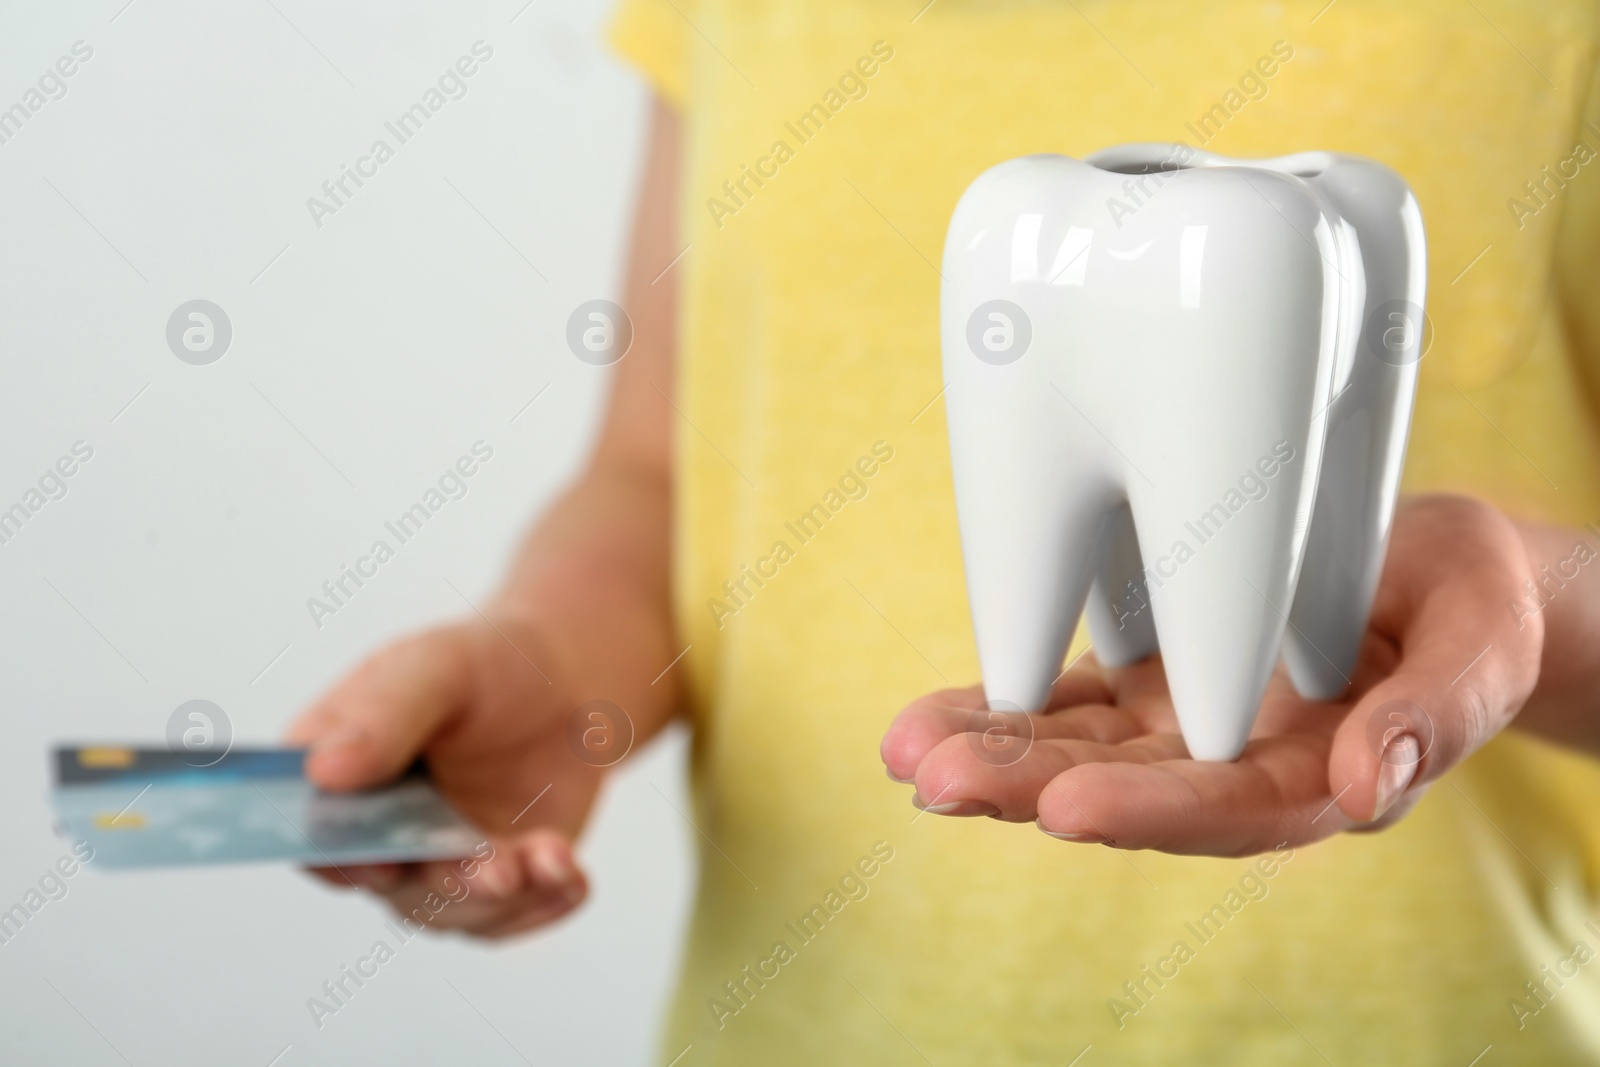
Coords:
pixel 1444 666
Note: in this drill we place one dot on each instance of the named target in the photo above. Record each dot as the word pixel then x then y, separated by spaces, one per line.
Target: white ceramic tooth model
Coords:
pixel 1186 380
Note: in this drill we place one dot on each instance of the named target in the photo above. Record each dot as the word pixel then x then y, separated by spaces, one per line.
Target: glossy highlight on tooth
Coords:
pixel 1187 422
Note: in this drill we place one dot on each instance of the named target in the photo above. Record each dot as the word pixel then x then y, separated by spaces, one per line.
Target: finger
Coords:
pixel 1464 671
pixel 1001 738
pixel 1275 793
pixel 930 720
pixel 532 915
pixel 532 877
pixel 377 877
pixel 964 776
pixel 922 725
pixel 372 725
pixel 1397 811
pixel 1416 724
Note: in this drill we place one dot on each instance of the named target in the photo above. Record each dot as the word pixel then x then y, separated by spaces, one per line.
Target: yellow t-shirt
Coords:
pixel 826 145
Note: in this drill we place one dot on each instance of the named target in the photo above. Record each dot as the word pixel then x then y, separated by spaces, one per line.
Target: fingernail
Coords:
pixel 1397 766
pixel 552 866
pixel 961 809
pixel 897 781
pixel 1081 839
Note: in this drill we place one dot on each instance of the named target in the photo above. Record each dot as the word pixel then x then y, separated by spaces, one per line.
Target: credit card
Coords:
pixel 149 807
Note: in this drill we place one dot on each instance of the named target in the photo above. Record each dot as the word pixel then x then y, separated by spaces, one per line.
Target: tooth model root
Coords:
pixel 1367 425
pixel 1170 420
pixel 1121 622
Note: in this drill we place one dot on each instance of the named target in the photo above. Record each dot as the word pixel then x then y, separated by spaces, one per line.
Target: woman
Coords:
pixel 783 293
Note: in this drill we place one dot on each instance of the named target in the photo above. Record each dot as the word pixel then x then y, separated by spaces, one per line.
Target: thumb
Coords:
pixel 1463 674
pixel 373 724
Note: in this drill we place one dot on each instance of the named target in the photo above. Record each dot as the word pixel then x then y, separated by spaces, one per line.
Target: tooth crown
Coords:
pixel 1165 382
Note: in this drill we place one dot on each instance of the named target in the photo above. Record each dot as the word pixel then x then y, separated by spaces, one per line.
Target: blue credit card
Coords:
pixel 144 807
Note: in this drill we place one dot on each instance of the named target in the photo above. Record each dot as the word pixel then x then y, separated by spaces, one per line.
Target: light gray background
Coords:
pixel 367 355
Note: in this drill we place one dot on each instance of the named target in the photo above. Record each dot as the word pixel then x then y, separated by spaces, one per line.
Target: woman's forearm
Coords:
pixel 592 581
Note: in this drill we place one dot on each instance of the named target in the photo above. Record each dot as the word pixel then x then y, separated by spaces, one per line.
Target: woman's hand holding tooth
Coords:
pixel 1449 660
